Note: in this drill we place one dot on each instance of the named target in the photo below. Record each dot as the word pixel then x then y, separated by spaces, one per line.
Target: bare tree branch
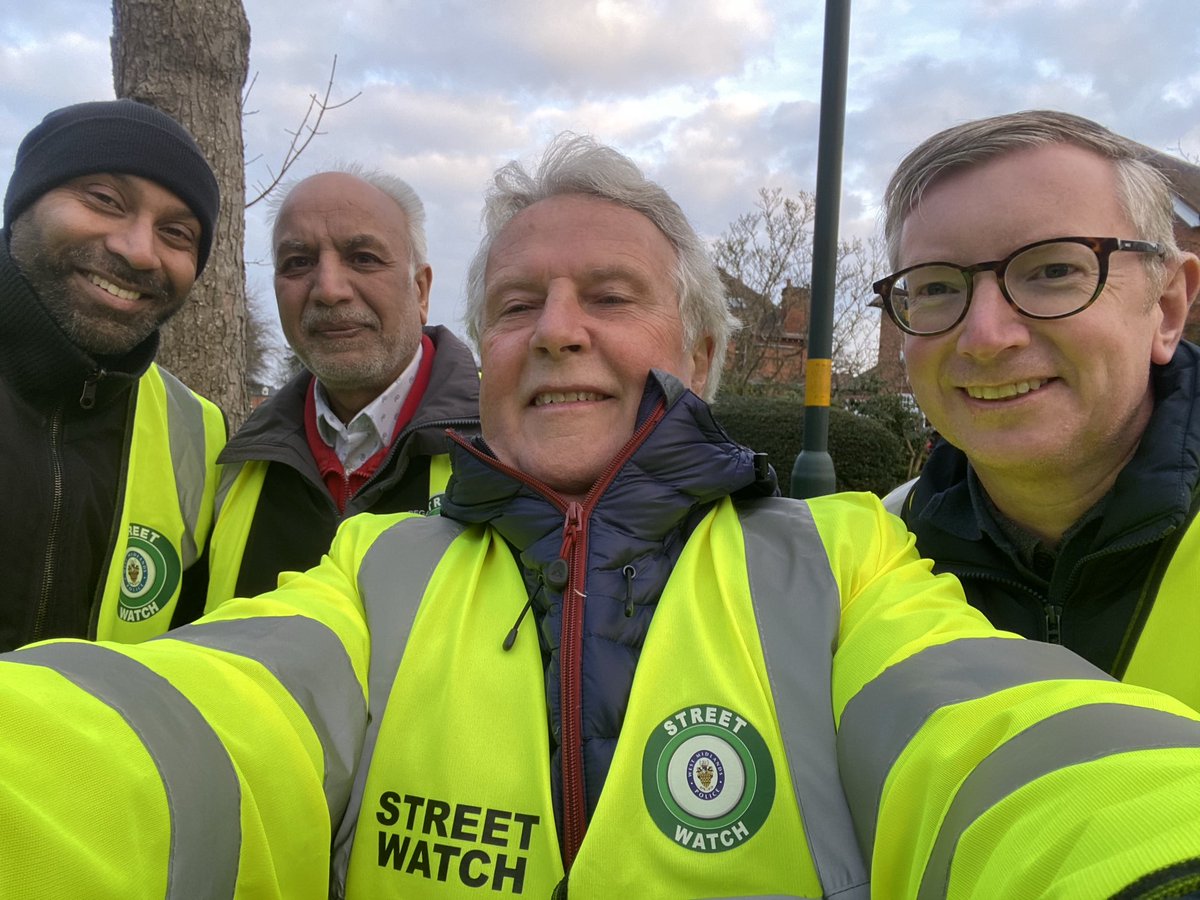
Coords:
pixel 766 258
pixel 304 134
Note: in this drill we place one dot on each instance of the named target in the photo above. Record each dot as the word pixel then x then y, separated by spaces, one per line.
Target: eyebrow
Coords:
pixel 126 181
pixel 589 278
pixel 354 242
pixel 358 241
pixel 616 273
pixel 511 283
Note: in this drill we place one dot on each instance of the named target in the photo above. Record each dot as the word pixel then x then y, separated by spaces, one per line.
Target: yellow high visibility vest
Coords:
pixel 698 801
pixel 219 755
pixel 166 508
pixel 1164 657
pixel 237 498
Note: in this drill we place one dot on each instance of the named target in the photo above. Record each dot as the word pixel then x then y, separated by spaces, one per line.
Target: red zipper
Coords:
pixel 570 655
pixel 570 665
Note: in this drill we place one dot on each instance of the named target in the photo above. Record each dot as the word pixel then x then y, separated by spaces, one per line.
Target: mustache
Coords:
pixel 113 268
pixel 317 318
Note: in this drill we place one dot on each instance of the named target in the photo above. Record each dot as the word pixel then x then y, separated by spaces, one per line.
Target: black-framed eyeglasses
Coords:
pixel 1049 279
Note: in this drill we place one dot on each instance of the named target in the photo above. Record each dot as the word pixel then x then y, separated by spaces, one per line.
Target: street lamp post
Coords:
pixel 813 474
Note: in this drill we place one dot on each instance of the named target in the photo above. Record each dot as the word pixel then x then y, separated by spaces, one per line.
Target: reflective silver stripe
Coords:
pixel 1066 739
pixel 798 605
pixel 882 718
pixel 392 580
pixel 895 499
pixel 308 659
pixel 203 797
pixel 187 435
pixel 229 474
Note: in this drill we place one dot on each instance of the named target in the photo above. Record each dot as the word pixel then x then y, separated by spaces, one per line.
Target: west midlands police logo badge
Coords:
pixel 707 778
pixel 151 574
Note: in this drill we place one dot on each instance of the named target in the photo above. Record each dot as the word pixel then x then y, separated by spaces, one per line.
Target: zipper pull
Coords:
pixel 630 573
pixel 1053 624
pixel 571 525
pixel 88 398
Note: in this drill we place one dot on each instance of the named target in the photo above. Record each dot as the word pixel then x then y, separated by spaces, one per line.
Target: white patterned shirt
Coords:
pixel 371 428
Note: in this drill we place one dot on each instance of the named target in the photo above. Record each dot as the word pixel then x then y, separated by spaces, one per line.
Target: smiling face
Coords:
pixel 350 300
pixel 581 303
pixel 111 257
pixel 1065 399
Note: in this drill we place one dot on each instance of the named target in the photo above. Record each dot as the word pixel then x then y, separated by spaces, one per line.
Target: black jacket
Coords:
pixel 295 519
pixel 65 429
pixel 1087 598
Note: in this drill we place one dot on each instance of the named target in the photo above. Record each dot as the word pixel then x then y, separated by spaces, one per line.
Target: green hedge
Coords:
pixel 866 455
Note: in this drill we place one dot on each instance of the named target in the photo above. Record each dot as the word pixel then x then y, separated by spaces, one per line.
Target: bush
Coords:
pixel 869 396
pixel 866 455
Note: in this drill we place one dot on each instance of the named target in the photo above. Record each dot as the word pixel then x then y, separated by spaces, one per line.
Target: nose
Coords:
pixel 135 241
pixel 330 284
pixel 561 326
pixel 992 325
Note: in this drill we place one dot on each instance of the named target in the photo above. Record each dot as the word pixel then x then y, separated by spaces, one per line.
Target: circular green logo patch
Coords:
pixel 151 574
pixel 707 778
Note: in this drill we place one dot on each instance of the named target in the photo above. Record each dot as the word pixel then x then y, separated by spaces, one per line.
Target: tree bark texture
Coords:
pixel 190 59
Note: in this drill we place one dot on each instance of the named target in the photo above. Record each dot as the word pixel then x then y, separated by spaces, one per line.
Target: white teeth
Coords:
pixel 113 289
pixel 565 397
pixel 1004 391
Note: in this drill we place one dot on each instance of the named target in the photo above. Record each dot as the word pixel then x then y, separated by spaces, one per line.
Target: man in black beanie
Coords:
pixel 108 471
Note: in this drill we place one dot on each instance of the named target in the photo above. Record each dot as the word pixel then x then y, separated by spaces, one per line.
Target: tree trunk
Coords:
pixel 190 59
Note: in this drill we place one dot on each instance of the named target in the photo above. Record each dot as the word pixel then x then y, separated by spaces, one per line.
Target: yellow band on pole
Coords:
pixel 818 376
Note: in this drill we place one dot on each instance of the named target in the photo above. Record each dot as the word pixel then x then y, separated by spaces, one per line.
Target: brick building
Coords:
pixel 772 345
pixel 1185 180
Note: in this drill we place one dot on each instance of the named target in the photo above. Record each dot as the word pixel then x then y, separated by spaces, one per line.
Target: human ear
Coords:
pixel 702 354
pixel 1178 294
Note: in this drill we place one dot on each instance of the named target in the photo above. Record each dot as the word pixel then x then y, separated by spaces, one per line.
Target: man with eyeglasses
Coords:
pixel 1043 301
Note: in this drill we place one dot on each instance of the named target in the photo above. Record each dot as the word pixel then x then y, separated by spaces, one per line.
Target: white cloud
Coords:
pixel 715 98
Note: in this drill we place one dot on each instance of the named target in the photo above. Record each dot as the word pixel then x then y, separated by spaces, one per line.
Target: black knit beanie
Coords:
pixel 121 136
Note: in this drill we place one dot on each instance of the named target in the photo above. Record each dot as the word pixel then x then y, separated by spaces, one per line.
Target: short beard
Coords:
pixel 371 369
pixel 98 332
pixel 374 368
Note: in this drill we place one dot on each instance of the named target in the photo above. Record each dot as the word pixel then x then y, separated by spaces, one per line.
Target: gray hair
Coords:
pixel 395 187
pixel 578 164
pixel 1142 189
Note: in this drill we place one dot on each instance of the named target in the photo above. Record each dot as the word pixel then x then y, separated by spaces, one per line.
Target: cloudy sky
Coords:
pixel 714 98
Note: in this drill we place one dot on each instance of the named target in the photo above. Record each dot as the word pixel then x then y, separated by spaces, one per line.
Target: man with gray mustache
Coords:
pixel 109 461
pixel 362 426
